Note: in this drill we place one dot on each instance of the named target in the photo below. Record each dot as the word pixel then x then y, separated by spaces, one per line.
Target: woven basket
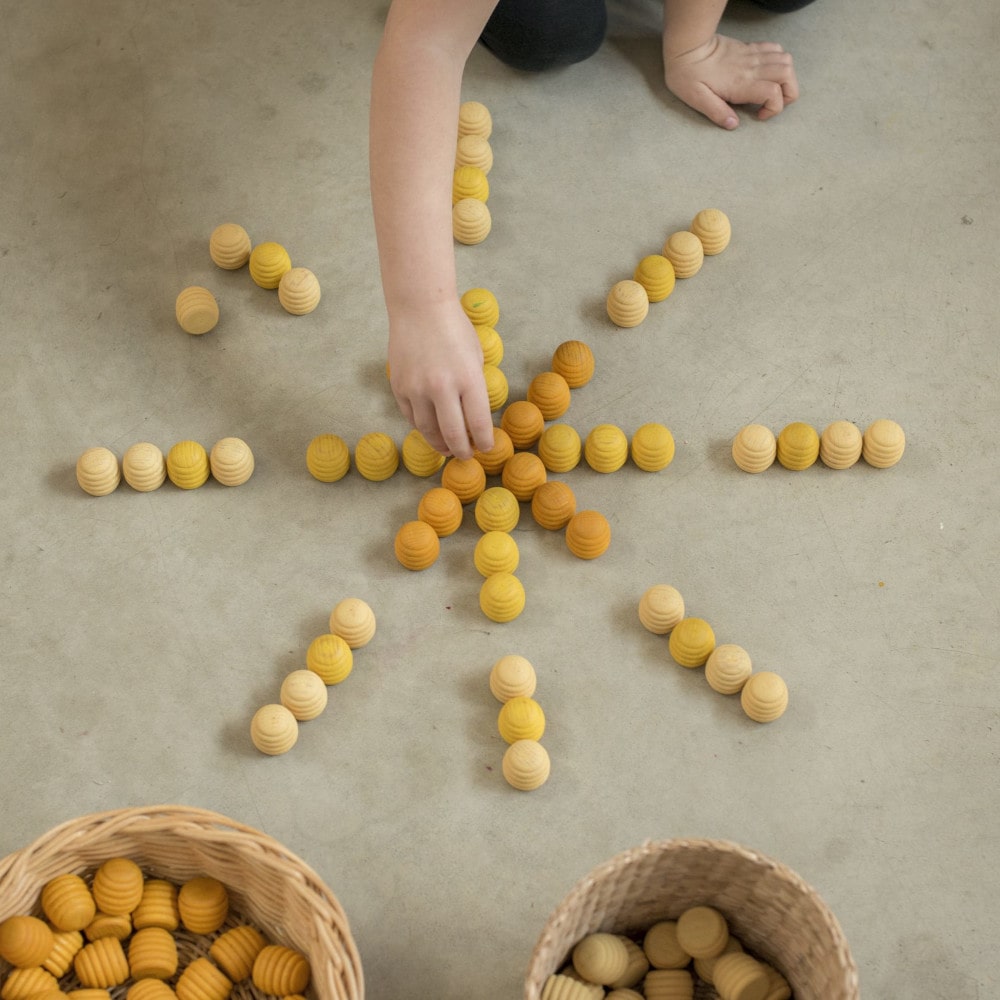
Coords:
pixel 268 885
pixel 769 908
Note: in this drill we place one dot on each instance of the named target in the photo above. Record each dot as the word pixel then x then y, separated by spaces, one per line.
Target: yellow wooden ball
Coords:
pixel 187 465
pixel 652 447
pixel 481 306
pixel 330 658
pixel 691 642
pixel 497 509
pixel 419 458
pixel 496 552
pixel 560 448
pixel 501 597
pixel 797 446
pixel 521 718
pixel 376 456
pixel 328 458
pixel 269 262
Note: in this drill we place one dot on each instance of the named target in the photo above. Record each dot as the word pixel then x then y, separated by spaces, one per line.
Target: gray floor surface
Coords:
pixel 141 631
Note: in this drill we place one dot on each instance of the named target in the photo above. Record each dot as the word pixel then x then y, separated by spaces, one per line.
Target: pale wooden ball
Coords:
pixel 574 360
pixel 231 461
pixel 417 545
pixel 714 230
pixel 273 729
pixel 564 986
pixel 442 510
pixel 662 948
pixel 728 668
pixel 638 966
pixel 229 246
pixel 883 443
pixel 304 694
pixel 661 607
pixel 684 250
pixel 512 676
pixel 419 458
pixel 702 931
pixel 606 448
pixel 600 958
pixel 474 151
pixel 471 221
pixel 552 505
pixel 481 306
pixel 705 967
pixel 739 976
pixel 97 472
pixel 656 274
pixel 496 552
pixel 764 696
pixel 526 765
pixel 353 620
pixel 840 445
pixel 328 458
pixel 501 597
pixel 497 457
pixel 668 984
pixel 588 534
pixel 474 118
pixel 797 446
pixel 196 310
pixel 550 392
pixel 754 448
pixel 299 291
pixel 560 448
pixel 691 642
pixel 523 473
pixel 268 263
pixel 143 467
pixel 627 303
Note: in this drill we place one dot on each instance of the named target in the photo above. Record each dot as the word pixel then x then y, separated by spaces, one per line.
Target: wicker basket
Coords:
pixel 769 908
pixel 268 885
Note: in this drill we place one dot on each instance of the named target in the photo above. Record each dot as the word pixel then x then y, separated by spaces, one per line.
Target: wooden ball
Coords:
pixel 304 694
pixel 656 274
pixel 684 250
pixel 152 954
pixel 574 360
pixel 496 552
pixel 298 291
pixel 419 458
pixel 512 676
pixel 638 966
pixel 840 445
pixel 741 977
pixel 661 607
pixel 187 465
pixel 728 668
pixel 552 505
pixel 496 458
pixel 481 306
pixel 600 958
pixel 117 886
pixel 560 448
pixel 158 906
pixel 25 941
pixel 521 718
pixel 764 696
pixel 116 925
pixel 201 980
pixel 549 391
pixel 668 984
pixel 797 446
pixel 64 948
pixel 497 509
pixel 713 229
pixel 235 950
pixel 567 985
pixel 883 443
pixel 417 545
pixel 196 310
pixel 354 621
pixel 376 457
pixel 627 303
pixel 474 118
pixel 662 948
pixel 623 993
pixel 754 448
pixel 526 765
pixel 97 472
pixel 474 151
pixel 229 246
pixel 330 658
pixel 491 343
pixel 588 534
pixel 501 597
pixel 280 971
pixel 147 989
pixel 143 467
pixel 606 448
pixel 497 387
pixel 471 221
pixel 524 422
pixel 702 931
pixel 231 461
pixel 469 182
pixel 101 964
pixel 442 510
pixel 29 984
pixel 269 262
pixel 68 903
pixel 328 458
pixel 523 473
pixel 273 729
pixel 777 985
pixel 691 642
pixel 652 447
pixel 203 904
pixel 465 477
pixel 705 967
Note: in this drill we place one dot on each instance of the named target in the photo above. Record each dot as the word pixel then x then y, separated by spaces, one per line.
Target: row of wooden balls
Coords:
pixel 728 668
pixel 274 728
pixel 798 445
pixel 682 256
pixel 270 266
pixel 521 723
pixel 470 218
pixel 145 468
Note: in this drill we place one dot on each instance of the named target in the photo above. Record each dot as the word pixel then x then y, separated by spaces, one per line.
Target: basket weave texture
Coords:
pixel 268 886
pixel 772 911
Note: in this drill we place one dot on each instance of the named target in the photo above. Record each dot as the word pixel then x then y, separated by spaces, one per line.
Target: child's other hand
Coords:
pixel 726 70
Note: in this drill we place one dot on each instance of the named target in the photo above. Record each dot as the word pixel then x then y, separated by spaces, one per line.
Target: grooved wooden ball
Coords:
pixel 474 151
pixel 491 343
pixel 116 925
pixel 235 950
pixel 25 941
pixel 496 552
pixel 474 118
pixel 328 458
pixel 496 458
pixel 304 694
pixel 883 443
pixel 201 980
pixel 521 718
pixel 469 182
pixel 702 931
pixel 187 465
pixel 229 246
pixel 797 446
pixel 662 947
pixel 713 229
pixel 691 642
pixel 600 958
pixel 68 902
pixel 553 504
pixel 627 303
pixel 298 291
pixel 684 250
pixel 740 977
pixel 98 472
pixel 465 477
pixel 417 545
pixel 668 984
pixel 376 456
pixel 441 508
pixel 30 983
pixel 144 989
pixel 512 676
pixel 117 886
pixel 152 954
pixel 638 966
pixel 497 509
pixel 526 765
pixel 728 668
pixel 501 597
pixel 497 387
pixel 196 310
pixel 280 971
pixel 840 445
pixel 203 904
pixel 567 985
pixel 764 696
pixel 588 534
pixel 273 729
pixel 420 458
pixel 754 448
pixel 574 360
pixel 269 261
pixel 158 906
pixel 661 607
pixel 471 221
pixel 606 448
pixel 143 467
pixel 64 948
pixel 522 474
pixel 705 967
pixel 231 461
pixel 524 422
pixel 354 621
pixel 101 964
pixel 481 306
pixel 330 658
pixel 656 274
pixel 549 391
pixel 560 448
pixel 652 447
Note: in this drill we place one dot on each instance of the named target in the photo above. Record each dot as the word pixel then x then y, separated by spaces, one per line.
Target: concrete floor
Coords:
pixel 141 631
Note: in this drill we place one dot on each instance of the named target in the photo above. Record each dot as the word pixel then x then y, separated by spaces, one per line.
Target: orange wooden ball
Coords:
pixel 524 422
pixel 523 474
pixel 417 545
pixel 588 534
pixel 465 477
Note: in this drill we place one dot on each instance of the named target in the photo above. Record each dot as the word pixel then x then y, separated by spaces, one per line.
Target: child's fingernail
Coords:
pixel 730 122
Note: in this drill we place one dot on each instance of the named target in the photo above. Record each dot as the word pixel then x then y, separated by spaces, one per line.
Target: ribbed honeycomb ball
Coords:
pixel 68 903
pixel 662 948
pixel 777 986
pixel 524 422
pixel 840 445
pixel 417 545
pixel 118 925
pixel 564 987
pixel 521 718
pixel 737 976
pixel 501 597
pixel 656 274
pixel 229 246
pixel 638 966
pixel 714 230
pixel 471 221
pixel 269 261
pixel 481 306
pixel 97 472
pixel 26 984
pixel 491 343
pixel 150 989
pixel 304 694
pixel 684 250
pixel 353 619
pixel 496 552
pixel 196 310
pixel 574 360
pixel 600 958
pixel 754 448
pixel 728 668
pixel 143 467
pixel 298 291
pixel 523 474
pixel 668 984
pixel 442 510
pixel 560 448
pixel 187 465
pixel 201 980
pixel 158 906
pixel 496 458
pixel 152 954
pixel 652 447
pixel 273 729
pixel 117 886
pixel 526 765
pixel 469 182
pixel 661 607
pixel 64 948
pixel 329 657
pixel 691 642
pixel 549 391
pixel 705 967
pixel 231 461
pixel 497 509
pixel 25 941
pixel 280 971
pixel 588 534
pixel 552 505
pixel 419 457
pixel 606 448
pixel 235 950
pixel 702 931
pixel 203 904
pixel 764 696
pixel 328 458
pixel 376 456
pixel 883 443
pixel 797 446
pixel 465 477
pixel 101 964
pixel 627 303
pixel 497 387
pixel 474 151
pixel 512 676
pixel 474 119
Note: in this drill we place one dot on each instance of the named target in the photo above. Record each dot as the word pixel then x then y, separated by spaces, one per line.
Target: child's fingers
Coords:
pixel 713 107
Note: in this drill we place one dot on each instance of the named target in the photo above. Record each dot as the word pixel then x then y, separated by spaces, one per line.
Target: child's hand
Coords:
pixel 726 70
pixel 436 374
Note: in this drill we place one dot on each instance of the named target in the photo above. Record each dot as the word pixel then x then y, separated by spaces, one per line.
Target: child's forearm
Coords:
pixel 689 23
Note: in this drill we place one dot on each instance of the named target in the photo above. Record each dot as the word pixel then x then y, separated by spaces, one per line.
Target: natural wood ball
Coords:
pixel 627 303
pixel 497 509
pixel 521 718
pixel 496 552
pixel 417 545
pixel 741 977
pixel 376 456
pixel 754 448
pixel 328 458
pixel 465 477
pixel 656 274
pixel 705 967
pixel 25 941
pixel 268 263
pixel 560 448
pixel 101 964
pixel 702 931
pixel 797 446
pixel 713 229
pixel 501 597
pixel 668 984
pixel 470 221
pixel 187 465
pixel 588 534
pixel 235 951
pixel 469 182
pixel 152 954
pixel 196 310
pixel 526 765
pixel 552 505
pixel 652 447
pixel 497 387
pixel 496 458
pixel 354 621
pixel 298 291
pixel 143 467
pixel 97 472
pixel 201 980
pixel 764 696
pixel 474 151
pixel 481 306
pixel 68 902
pixel 117 886
pixel 661 607
pixel 523 474
pixel 273 730
pixel 524 422
pixel 638 966
pixel 330 658
pixel 606 448
pixel 158 906
pixel 442 510
pixel 474 118
pixel 304 694
pixel 662 948
pixel 883 443
pixel 231 461
pixel 691 642
pixel 840 445
pixel 574 360
pixel 203 903
pixel 280 971
pixel 623 993
pixel 684 250
pixel 420 458
pixel 145 989
pixel 563 986
pixel 491 343
pixel 600 958
pixel 549 391
pixel 229 246
pixel 512 676
pixel 728 668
